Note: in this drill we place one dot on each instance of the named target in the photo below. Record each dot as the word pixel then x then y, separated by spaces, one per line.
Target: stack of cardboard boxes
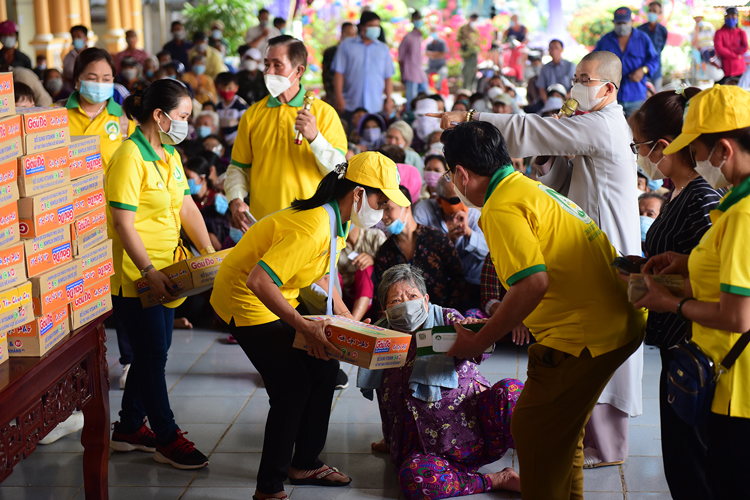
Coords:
pixel 56 258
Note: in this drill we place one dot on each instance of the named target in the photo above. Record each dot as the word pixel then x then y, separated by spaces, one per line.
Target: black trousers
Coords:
pixel 728 458
pixel 300 388
pixel 684 447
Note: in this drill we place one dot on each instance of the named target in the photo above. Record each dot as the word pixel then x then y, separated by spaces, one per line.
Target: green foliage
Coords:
pixel 235 14
pixel 589 24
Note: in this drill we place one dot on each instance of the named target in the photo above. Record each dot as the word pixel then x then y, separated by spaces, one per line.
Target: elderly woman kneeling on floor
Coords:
pixel 442 420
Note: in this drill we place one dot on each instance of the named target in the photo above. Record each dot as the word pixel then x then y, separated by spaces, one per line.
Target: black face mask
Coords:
pixel 453 201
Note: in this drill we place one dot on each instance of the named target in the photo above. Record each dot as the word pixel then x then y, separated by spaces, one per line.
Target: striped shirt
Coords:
pixel 229 117
pixel 678 228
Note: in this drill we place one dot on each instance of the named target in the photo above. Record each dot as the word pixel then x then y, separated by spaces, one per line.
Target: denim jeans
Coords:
pixel 126 352
pixel 150 334
pixel 412 89
pixel 631 107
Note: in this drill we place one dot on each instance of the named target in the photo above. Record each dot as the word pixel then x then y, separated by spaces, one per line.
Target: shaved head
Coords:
pixel 445 189
pixel 607 65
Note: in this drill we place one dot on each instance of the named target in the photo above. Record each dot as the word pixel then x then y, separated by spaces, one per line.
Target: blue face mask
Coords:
pixel 652 17
pixel 204 131
pixel 372 32
pixel 645 225
pixel 221 204
pixel 195 188
pixel 96 93
pixel 199 69
pixel 149 73
pixel 418 23
pixel 79 44
pixel 235 234
pixel 731 22
pixel 395 227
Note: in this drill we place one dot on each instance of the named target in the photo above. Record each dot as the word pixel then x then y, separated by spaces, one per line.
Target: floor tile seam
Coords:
pixel 191 366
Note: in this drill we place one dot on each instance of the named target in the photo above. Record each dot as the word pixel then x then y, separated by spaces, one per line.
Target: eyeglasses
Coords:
pixel 635 146
pixel 447 176
pixel 585 81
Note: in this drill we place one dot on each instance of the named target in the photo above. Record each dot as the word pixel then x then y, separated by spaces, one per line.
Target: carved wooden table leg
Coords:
pixel 95 435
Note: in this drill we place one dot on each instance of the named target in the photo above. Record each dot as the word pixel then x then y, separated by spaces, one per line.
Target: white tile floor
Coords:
pixel 217 397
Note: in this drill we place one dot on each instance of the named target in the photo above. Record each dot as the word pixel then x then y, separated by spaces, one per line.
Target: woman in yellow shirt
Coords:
pixel 717 128
pixel 148 202
pixel 91 108
pixel 256 291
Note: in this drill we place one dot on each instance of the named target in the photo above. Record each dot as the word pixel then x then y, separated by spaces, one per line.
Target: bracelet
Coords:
pixel 679 307
pixel 470 116
pixel 209 249
pixel 146 269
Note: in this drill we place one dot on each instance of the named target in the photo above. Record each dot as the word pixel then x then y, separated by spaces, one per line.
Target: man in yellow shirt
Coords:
pixel 265 160
pixel 555 263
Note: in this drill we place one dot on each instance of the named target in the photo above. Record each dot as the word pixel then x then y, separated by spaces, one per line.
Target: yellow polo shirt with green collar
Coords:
pixel 721 263
pixel 140 181
pixel 292 246
pixel 106 124
pixel 530 228
pixel 280 170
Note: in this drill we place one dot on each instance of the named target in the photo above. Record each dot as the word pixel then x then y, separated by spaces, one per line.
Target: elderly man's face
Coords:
pixel 393 136
pixel 404 291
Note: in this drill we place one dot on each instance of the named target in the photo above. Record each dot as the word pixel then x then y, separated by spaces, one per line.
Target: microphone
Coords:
pixel 569 107
pixel 309 98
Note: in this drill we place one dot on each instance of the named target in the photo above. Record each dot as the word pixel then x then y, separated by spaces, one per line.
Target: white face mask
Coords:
pixel 463 197
pixel 586 96
pixel 277 84
pixel 650 168
pixel 711 174
pixel 250 64
pixel 177 132
pixel 366 217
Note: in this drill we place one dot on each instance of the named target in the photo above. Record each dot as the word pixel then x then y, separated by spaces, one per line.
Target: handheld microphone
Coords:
pixel 569 107
pixel 309 98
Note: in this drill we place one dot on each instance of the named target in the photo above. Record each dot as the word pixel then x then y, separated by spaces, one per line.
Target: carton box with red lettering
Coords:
pixel 39 336
pixel 15 307
pixel 7 97
pixel 361 344
pixel 44 129
pixel 47 251
pixel 8 184
pixel 4 356
pixel 88 230
pixel 46 212
pixel 10 231
pixel 97 264
pixel 95 300
pixel 56 288
pixel 12 266
pixel 190 277
pixel 88 193
pixel 10 138
pixel 84 155
pixel 42 172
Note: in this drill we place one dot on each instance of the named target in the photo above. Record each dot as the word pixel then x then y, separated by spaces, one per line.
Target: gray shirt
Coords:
pixel 551 74
pixel 437 45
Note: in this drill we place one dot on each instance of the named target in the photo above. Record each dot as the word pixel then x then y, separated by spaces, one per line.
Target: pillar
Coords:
pixel 86 14
pixel 115 37
pixel 3 10
pixel 74 13
pixel 58 14
pixel 126 18
pixel 136 10
pixel 44 42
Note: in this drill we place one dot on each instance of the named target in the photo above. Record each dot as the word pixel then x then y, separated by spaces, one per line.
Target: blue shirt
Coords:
pixel 179 52
pixel 638 53
pixel 659 39
pixel 550 74
pixel 365 68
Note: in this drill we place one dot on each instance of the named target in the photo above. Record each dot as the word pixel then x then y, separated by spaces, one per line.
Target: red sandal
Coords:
pixel 319 479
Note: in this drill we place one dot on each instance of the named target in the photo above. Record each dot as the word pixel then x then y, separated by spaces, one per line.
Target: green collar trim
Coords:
pixel 297 102
pixel 339 227
pixel 736 194
pixel 147 151
pixel 501 174
pixel 113 108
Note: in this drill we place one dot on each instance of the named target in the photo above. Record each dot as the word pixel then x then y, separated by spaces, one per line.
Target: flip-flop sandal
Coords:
pixel 319 479
pixel 272 498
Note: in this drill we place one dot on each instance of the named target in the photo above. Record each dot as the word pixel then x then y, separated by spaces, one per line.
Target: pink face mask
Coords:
pixel 432 178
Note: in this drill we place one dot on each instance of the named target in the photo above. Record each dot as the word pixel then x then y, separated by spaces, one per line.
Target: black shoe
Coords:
pixel 180 453
pixel 342 380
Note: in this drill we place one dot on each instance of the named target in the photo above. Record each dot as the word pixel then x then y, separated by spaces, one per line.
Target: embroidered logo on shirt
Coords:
pixel 566 204
pixel 178 173
pixel 112 128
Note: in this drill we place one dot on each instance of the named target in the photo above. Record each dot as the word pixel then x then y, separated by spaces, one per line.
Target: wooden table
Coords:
pixel 38 393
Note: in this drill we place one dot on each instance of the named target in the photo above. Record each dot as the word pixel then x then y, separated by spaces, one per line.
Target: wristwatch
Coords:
pixel 146 269
pixel 645 69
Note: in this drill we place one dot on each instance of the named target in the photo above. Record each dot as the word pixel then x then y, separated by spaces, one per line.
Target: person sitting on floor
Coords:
pixel 442 420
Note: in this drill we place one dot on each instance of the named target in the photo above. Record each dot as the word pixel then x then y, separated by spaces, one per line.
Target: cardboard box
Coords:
pixel 42 172
pixel 10 138
pixel 637 286
pixel 7 95
pixel 191 277
pixel 88 231
pixel 84 155
pixel 46 212
pixel 47 251
pixel 56 288
pixel 8 183
pixel 10 231
pixel 44 129
pixel 4 356
pixel 97 264
pixel 15 307
pixel 440 339
pixel 92 303
pixel 39 336
pixel 367 346
pixel 12 266
pixel 88 193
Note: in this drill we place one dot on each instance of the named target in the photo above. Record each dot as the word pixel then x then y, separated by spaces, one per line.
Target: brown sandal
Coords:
pixel 319 479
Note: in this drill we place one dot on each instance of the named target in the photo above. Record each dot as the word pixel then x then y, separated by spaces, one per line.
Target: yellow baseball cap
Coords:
pixel 374 170
pixel 718 109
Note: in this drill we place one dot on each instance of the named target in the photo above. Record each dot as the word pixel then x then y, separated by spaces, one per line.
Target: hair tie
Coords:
pixel 681 90
pixel 340 169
